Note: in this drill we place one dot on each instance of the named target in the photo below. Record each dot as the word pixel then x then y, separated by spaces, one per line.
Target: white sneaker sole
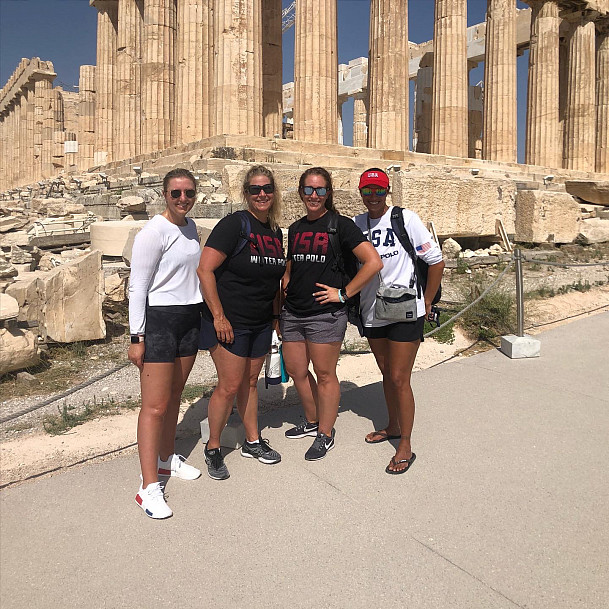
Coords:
pixel 320 458
pixel 309 434
pixel 149 513
pixel 170 473
pixel 261 459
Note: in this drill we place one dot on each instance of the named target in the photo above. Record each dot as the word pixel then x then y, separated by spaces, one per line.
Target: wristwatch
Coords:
pixel 137 338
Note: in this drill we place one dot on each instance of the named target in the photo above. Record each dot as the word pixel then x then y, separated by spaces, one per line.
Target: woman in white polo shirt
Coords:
pixel 164 318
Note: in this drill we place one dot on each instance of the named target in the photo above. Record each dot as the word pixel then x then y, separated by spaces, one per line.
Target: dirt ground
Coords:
pixel 37 453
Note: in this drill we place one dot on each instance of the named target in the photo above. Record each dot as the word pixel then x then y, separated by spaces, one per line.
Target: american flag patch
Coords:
pixel 423 248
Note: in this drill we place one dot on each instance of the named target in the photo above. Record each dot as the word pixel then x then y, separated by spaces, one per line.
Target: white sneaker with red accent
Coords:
pixel 152 501
pixel 176 466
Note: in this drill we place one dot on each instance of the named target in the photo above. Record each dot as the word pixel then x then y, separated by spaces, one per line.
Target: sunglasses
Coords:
pixel 320 191
pixel 255 189
pixel 175 194
pixel 379 192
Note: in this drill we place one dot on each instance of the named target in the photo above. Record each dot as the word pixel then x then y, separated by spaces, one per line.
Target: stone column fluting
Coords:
pixel 58 129
pixel 272 60
pixel 238 67
pixel 542 136
pixel 449 113
pixel 23 161
pixel 107 23
pixel 388 75
pixel 316 72
pixel 86 117
pixel 3 150
pixel 44 125
pixel 422 105
pixel 158 75
pixel 360 120
pixel 602 99
pixel 192 70
pixel 499 133
pixel 580 123
pixel 127 90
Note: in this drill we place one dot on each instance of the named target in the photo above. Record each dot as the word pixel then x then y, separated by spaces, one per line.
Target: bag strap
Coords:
pixel 334 240
pixel 399 230
pixel 245 235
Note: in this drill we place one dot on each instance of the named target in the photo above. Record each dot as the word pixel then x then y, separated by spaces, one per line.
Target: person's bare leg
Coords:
pixel 296 359
pixel 400 361
pixel 379 347
pixel 156 382
pixel 324 358
pixel 181 370
pixel 247 398
pixel 230 369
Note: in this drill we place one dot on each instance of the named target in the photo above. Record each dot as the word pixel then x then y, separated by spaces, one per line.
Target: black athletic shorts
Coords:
pixel 400 332
pixel 171 331
pixel 252 343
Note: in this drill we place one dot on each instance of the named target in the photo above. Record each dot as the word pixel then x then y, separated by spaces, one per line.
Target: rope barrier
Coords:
pixel 565 264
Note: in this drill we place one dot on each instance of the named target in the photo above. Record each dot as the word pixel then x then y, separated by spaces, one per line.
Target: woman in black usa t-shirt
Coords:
pixel 240 271
pixel 314 319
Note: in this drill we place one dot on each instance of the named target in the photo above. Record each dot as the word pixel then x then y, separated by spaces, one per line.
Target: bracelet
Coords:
pixel 341 298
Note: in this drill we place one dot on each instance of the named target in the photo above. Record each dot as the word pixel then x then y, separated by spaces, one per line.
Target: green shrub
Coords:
pixel 494 315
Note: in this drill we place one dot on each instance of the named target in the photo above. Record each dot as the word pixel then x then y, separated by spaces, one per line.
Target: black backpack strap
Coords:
pixel 399 230
pixel 334 240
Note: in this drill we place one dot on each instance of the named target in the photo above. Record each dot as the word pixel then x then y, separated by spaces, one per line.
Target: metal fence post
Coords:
pixel 519 293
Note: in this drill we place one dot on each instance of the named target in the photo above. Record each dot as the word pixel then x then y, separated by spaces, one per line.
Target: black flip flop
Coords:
pixel 401 471
pixel 385 437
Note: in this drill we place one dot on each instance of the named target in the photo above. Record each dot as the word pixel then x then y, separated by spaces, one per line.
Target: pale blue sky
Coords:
pixel 64 32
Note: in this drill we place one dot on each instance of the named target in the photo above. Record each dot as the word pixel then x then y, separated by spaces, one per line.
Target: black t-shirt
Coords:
pixel 313 261
pixel 248 282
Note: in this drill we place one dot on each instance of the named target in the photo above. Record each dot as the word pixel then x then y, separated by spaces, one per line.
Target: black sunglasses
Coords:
pixel 321 191
pixel 256 189
pixel 175 194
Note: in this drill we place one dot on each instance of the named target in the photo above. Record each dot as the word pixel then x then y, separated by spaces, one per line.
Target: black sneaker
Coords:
pixel 302 430
pixel 215 464
pixel 321 445
pixel 260 450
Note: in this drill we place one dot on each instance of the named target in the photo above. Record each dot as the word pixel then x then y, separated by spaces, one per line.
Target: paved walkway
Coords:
pixel 506 506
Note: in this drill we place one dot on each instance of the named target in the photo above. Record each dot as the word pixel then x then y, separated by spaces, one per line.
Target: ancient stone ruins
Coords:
pixel 197 83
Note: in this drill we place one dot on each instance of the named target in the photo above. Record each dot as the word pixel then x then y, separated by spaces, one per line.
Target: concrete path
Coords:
pixel 506 506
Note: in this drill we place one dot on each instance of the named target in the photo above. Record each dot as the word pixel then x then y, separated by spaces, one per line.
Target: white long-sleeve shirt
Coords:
pixel 398 267
pixel 164 265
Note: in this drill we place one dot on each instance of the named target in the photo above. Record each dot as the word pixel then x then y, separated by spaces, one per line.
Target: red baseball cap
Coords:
pixel 374 176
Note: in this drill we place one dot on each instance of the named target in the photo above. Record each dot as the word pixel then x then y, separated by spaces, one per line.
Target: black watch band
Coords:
pixel 137 338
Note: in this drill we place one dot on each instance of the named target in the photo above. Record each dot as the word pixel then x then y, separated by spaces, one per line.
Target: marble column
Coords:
pixel 43 125
pixel 3 150
pixel 422 105
pixel 316 72
pixel 158 75
pixel 475 112
pixel 388 75
pixel 127 89
pixel 23 143
pixel 58 129
pixel 192 69
pixel 580 125
pixel 602 100
pixel 86 117
pixel 272 61
pixel 238 67
pixel 360 120
pixel 499 132
pixel 30 132
pixel 449 131
pixel 542 134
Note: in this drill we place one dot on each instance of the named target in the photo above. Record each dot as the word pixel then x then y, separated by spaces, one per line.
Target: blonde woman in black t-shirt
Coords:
pixel 314 319
pixel 240 270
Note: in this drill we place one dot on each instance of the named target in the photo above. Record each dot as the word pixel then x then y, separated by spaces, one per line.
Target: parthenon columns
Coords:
pixel 500 123
pixel 602 100
pixel 127 107
pixel 194 61
pixel 316 72
pixel 86 117
pixel 388 75
pixel 542 135
pixel 107 23
pixel 272 62
pixel 238 67
pixel 449 130
pixel 580 128
pixel 360 120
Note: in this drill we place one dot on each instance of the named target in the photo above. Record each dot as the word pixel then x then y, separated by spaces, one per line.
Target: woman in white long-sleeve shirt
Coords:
pixel 164 318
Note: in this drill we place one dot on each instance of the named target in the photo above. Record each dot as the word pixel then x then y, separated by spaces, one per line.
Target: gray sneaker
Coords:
pixel 321 445
pixel 215 464
pixel 261 451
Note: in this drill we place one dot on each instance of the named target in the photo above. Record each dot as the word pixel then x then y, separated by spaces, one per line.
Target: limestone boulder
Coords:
pixel 7 270
pixel 9 307
pixel 132 204
pixel 593 192
pixel 8 223
pixel 594 230
pixel 18 350
pixel 19 237
pixel 546 217
pixel 110 237
pixel 65 208
pixel 450 249
pixel 115 288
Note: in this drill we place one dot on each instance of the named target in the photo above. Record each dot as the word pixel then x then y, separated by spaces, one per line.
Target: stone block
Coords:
pixel 9 307
pixel 519 347
pixel 132 204
pixel 19 238
pixel 543 216
pixel 593 230
pixel 26 291
pixel 232 436
pixel 450 249
pixel 8 223
pixel 115 288
pixel 7 270
pixel 65 208
pixel 110 237
pixel 18 350
pixel 591 191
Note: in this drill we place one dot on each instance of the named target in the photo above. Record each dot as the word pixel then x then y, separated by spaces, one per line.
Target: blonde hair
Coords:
pixel 275 211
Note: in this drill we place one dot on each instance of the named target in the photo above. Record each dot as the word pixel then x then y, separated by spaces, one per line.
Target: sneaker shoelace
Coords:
pixel 319 442
pixel 156 491
pixel 264 444
pixel 216 459
pixel 181 459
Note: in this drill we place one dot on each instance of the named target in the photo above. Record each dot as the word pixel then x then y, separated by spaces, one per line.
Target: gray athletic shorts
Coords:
pixel 323 328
